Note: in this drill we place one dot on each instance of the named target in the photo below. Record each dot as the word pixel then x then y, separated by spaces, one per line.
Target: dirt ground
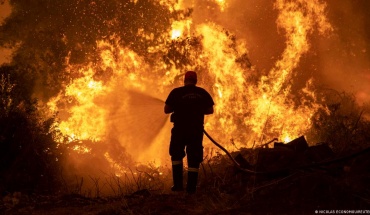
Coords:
pixel 299 193
pixel 340 187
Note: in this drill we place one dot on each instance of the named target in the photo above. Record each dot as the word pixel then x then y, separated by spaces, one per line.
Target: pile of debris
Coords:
pixel 296 176
pixel 297 155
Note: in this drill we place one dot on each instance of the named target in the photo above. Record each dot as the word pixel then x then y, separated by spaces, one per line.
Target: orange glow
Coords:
pixel 287 139
pixel 98 99
pixel 83 91
pixel 275 113
pixel 221 4
pixel 180 29
pixel 119 170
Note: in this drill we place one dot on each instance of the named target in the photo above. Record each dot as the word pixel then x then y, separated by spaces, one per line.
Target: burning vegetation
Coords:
pixel 82 97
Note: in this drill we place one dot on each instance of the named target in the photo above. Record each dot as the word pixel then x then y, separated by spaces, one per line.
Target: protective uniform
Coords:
pixel 189 104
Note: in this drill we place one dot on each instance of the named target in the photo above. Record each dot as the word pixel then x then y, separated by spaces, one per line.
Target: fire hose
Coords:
pixel 228 154
pixel 322 163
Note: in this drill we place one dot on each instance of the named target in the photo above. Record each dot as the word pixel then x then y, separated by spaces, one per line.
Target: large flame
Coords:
pixel 99 104
pixel 274 112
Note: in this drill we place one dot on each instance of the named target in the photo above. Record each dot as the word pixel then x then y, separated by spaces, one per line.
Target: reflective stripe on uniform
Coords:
pixel 191 169
pixel 176 162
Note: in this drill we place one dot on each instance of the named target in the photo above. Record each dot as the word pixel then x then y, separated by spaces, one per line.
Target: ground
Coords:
pixel 341 186
pixel 300 193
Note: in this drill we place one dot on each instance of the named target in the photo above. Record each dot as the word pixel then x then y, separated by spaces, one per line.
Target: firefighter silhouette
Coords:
pixel 188 105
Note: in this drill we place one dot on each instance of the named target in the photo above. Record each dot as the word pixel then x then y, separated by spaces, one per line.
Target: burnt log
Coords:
pixel 318 153
pixel 283 158
pixel 276 162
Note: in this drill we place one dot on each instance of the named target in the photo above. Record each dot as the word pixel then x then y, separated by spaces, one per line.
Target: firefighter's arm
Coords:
pixel 168 109
pixel 209 110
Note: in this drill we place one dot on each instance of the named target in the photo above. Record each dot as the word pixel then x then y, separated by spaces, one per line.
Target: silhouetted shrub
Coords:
pixel 343 124
pixel 29 156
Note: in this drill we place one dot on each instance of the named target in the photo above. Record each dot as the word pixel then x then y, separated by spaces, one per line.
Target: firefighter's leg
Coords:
pixel 191 185
pixel 177 171
pixel 194 152
pixel 177 152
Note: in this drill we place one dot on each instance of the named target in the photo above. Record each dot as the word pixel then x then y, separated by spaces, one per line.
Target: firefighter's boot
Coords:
pixel 177 168
pixel 191 185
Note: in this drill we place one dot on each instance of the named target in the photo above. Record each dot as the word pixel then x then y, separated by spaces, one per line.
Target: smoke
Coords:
pixel 344 58
pixel 340 61
pixel 252 21
pixel 5 53
pixel 136 123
